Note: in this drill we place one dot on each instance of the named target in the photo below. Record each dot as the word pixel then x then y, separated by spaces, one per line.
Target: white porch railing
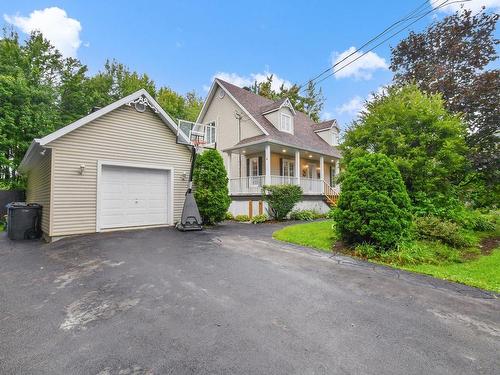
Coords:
pixel 253 185
pixel 311 185
pixel 283 180
pixel 246 185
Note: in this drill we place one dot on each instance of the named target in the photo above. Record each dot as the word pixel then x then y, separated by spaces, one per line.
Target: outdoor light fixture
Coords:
pixel 82 168
pixel 244 151
pixel 284 150
pixel 310 156
pixel 184 176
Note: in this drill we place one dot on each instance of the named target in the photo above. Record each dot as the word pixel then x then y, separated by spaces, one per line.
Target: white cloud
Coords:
pixel 249 80
pixel 474 5
pixel 55 25
pixel 352 107
pixel 362 68
pixel 357 103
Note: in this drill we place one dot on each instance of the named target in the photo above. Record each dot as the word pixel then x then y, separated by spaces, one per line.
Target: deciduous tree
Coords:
pixel 453 57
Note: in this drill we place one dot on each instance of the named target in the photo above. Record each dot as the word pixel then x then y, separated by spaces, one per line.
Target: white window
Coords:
pixel 286 123
pixel 210 133
pixel 334 139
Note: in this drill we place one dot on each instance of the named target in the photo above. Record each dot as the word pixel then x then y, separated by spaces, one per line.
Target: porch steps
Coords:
pixel 330 194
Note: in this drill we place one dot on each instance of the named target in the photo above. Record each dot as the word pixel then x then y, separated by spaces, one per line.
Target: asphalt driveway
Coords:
pixel 230 300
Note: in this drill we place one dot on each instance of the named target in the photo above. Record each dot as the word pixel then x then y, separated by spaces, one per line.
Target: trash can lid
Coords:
pixel 13 205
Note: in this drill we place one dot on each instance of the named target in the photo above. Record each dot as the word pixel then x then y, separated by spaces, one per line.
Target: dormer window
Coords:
pixel 286 123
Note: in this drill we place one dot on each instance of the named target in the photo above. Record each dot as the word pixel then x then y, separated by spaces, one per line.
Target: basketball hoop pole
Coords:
pixel 191 218
pixel 194 151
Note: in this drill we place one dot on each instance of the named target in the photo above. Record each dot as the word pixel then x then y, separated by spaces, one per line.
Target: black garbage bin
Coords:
pixel 24 221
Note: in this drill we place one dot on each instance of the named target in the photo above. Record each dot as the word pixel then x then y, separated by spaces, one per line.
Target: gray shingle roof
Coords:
pixel 325 125
pixel 274 105
pixel 304 136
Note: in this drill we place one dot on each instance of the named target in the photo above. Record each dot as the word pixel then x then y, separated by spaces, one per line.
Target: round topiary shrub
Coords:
pixel 281 199
pixel 210 187
pixel 374 206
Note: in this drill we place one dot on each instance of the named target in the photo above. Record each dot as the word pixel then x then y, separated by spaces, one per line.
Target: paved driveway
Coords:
pixel 230 300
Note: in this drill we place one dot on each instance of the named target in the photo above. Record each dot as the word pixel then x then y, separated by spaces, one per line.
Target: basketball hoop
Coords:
pixel 198 144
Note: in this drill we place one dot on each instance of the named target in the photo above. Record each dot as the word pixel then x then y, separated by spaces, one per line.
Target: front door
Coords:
pixel 311 170
pixel 288 171
pixel 254 172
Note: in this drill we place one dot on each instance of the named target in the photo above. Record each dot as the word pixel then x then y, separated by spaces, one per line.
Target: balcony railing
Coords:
pixel 253 185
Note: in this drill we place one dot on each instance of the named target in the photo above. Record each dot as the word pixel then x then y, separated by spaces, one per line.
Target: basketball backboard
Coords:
pixel 201 135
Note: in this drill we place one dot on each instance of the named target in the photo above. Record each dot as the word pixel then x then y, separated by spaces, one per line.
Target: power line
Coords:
pixel 386 39
pixel 370 41
pixel 415 13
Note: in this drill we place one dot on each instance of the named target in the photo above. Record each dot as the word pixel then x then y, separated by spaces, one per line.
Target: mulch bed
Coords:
pixel 487 245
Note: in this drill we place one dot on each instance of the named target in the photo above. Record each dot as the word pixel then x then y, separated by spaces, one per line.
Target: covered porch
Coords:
pixel 250 167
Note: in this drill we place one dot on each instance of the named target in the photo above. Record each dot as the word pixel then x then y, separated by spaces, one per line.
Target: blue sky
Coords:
pixel 184 44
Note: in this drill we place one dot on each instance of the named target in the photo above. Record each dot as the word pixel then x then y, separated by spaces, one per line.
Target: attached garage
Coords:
pixel 131 196
pixel 119 167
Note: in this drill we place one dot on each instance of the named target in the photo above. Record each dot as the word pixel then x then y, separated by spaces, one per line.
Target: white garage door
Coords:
pixel 132 197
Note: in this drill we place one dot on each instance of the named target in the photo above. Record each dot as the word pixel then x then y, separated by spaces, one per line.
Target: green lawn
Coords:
pixel 318 235
pixel 482 271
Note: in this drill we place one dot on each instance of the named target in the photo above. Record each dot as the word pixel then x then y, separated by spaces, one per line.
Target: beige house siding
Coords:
pixel 38 189
pixel 275 117
pixel 326 135
pixel 123 135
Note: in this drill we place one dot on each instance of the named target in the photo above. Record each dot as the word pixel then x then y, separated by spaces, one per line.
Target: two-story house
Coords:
pixel 265 142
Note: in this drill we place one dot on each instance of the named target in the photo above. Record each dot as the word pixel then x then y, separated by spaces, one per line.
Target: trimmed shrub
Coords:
pixel 281 199
pixel 242 218
pixel 306 215
pixel 374 207
pixel 434 228
pixel 258 219
pixel 211 191
pixel 229 216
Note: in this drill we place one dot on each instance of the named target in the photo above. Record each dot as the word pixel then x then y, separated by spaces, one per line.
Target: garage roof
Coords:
pixel 38 143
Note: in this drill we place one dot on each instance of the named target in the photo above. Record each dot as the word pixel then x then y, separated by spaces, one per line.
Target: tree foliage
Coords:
pixel 41 91
pixel 423 139
pixel 453 57
pixel 211 191
pixel 374 206
pixel 311 102
pixel 281 199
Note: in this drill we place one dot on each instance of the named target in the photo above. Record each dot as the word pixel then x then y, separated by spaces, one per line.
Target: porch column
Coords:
pixel 337 170
pixel 297 167
pixel 229 160
pixel 322 172
pixel 267 178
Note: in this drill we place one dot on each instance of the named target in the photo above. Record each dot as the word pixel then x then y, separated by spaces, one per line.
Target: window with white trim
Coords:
pixel 286 123
pixel 210 133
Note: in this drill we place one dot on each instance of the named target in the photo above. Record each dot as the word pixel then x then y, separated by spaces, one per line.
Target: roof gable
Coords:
pixel 211 93
pixel 141 99
pixel 138 98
